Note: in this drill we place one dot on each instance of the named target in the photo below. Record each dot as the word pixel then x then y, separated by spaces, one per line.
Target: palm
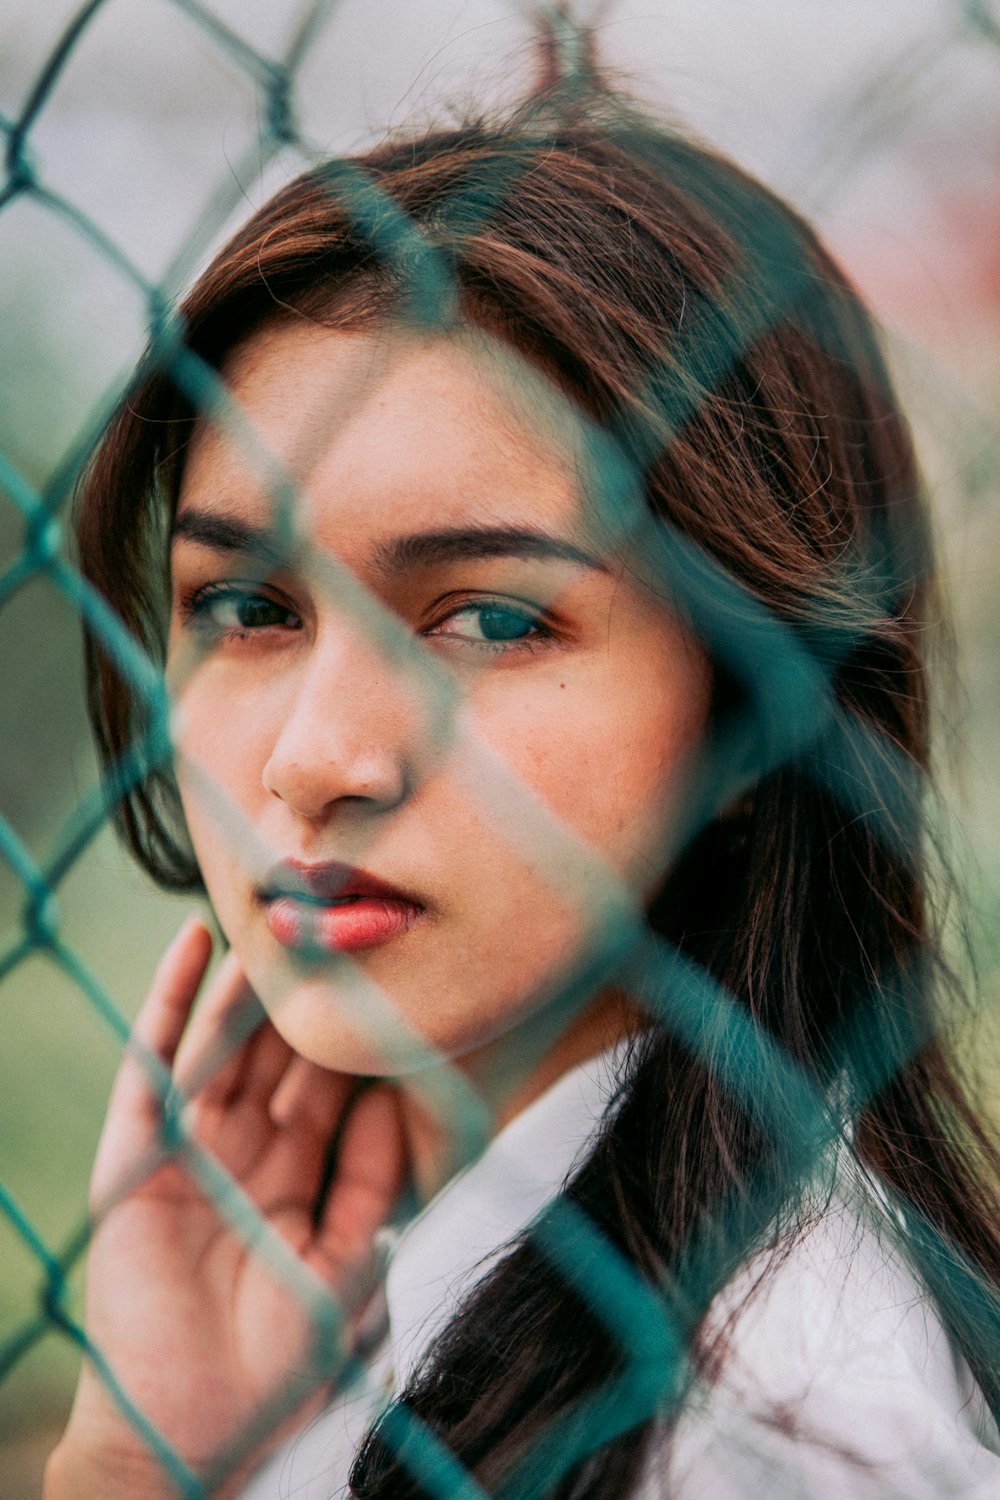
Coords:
pixel 209 1327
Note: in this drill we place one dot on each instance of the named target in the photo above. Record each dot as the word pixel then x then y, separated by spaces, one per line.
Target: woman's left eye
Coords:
pixel 492 623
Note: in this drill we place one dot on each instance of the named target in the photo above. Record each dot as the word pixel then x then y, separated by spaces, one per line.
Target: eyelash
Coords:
pixel 196 610
pixel 516 609
pixel 197 607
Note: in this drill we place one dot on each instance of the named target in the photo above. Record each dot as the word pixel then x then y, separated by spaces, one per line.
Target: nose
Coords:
pixel 345 733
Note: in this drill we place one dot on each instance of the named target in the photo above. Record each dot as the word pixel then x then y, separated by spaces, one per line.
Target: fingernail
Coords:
pixel 188 927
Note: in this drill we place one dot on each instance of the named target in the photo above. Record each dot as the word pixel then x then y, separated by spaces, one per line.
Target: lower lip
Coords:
pixel 339 929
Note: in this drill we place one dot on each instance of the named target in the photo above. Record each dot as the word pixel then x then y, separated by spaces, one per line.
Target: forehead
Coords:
pixel 383 431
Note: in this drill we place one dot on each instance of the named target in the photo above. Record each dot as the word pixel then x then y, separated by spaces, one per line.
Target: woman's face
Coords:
pixel 421 741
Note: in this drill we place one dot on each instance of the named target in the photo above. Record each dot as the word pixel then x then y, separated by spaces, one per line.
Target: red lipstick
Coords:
pixel 334 907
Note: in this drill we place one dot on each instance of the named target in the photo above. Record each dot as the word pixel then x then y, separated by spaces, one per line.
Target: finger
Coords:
pixel 160 1023
pixel 305 1111
pixel 135 1109
pixel 312 1095
pixel 268 1057
pixel 211 1055
pixel 371 1170
pixel 159 1026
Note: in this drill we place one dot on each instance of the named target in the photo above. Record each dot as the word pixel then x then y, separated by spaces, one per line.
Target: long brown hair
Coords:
pixel 707 335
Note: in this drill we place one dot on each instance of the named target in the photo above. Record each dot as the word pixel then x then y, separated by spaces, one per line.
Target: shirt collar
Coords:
pixel 466 1227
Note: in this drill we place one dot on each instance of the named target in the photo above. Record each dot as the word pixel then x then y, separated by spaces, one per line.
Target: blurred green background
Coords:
pixel 883 123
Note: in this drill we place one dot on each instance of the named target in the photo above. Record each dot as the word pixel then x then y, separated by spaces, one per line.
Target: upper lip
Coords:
pixel 327 882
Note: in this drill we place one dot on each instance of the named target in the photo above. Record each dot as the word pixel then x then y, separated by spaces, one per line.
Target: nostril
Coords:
pixel 374 777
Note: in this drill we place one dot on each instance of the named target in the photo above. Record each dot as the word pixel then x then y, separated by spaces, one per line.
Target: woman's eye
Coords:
pixel 492 623
pixel 224 610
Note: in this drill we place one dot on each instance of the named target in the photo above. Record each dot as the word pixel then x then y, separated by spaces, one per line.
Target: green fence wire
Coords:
pixel 788 683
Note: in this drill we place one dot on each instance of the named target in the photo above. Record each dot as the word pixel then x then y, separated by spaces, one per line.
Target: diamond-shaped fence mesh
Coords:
pixel 781 669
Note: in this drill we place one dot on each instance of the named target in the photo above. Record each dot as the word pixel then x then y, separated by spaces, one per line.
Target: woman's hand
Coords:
pixel 200 1330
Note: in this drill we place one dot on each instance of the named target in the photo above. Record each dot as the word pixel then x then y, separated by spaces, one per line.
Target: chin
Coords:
pixel 343 1021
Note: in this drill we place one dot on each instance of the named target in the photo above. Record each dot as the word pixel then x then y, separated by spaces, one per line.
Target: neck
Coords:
pixel 506 1076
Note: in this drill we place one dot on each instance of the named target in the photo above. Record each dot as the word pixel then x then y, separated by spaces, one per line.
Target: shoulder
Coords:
pixel 839 1380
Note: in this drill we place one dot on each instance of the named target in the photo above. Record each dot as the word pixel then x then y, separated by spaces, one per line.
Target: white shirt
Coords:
pixel 840 1381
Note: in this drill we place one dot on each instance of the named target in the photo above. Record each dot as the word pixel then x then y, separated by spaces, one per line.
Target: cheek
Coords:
pixel 222 729
pixel 219 762
pixel 609 757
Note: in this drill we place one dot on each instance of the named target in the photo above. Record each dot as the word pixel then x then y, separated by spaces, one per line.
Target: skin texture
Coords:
pixel 344 705
pixel 444 773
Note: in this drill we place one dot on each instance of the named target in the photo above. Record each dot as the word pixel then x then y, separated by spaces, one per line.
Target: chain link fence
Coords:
pixel 71 970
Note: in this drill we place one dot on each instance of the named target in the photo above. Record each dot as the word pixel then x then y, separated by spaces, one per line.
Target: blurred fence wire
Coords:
pixel 765 654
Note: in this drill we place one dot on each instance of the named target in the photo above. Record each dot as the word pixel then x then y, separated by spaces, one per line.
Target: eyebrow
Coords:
pixel 224 533
pixel 469 543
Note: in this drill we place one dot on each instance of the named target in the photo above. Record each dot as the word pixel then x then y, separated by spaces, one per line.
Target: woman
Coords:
pixel 548 605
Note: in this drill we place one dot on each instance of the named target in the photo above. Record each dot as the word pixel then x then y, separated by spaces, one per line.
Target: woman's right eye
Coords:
pixel 232 611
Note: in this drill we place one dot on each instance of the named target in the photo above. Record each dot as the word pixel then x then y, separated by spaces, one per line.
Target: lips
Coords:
pixel 334 908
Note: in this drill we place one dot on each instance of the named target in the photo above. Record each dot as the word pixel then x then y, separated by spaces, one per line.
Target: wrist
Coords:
pixel 77 1471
